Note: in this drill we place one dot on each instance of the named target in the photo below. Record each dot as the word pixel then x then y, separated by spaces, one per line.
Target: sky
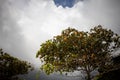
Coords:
pixel 26 24
pixel 64 3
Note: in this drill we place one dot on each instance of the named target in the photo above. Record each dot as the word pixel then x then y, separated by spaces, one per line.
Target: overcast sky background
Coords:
pixel 25 24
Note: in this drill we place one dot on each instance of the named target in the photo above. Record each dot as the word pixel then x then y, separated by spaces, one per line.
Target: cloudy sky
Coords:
pixel 25 24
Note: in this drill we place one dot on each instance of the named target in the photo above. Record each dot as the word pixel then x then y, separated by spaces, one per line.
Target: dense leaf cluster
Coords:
pixel 111 71
pixel 10 66
pixel 79 50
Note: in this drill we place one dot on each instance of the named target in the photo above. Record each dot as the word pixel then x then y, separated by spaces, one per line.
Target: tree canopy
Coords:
pixel 78 50
pixel 111 72
pixel 10 66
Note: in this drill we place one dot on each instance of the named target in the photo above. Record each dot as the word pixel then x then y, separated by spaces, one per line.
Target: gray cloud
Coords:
pixel 11 38
pixel 104 12
pixel 40 20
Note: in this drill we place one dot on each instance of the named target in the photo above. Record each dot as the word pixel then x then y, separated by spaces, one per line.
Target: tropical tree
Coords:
pixel 110 71
pixel 78 50
pixel 10 67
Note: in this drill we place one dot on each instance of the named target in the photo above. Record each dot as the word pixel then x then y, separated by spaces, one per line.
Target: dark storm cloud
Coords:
pixel 11 39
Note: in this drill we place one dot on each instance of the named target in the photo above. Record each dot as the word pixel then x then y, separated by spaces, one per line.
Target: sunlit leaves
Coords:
pixel 48 68
pixel 73 49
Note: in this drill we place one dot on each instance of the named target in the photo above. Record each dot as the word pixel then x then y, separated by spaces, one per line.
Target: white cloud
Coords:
pixel 40 20
pixel 44 18
pixel 104 12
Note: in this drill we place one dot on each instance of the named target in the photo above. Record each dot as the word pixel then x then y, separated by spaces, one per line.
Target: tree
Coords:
pixel 78 50
pixel 111 71
pixel 10 66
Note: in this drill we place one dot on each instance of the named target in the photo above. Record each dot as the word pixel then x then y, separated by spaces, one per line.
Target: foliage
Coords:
pixel 111 72
pixel 79 50
pixel 114 74
pixel 10 66
pixel 116 59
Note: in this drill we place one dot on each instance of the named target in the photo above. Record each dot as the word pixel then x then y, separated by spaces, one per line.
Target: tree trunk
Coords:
pixel 88 76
